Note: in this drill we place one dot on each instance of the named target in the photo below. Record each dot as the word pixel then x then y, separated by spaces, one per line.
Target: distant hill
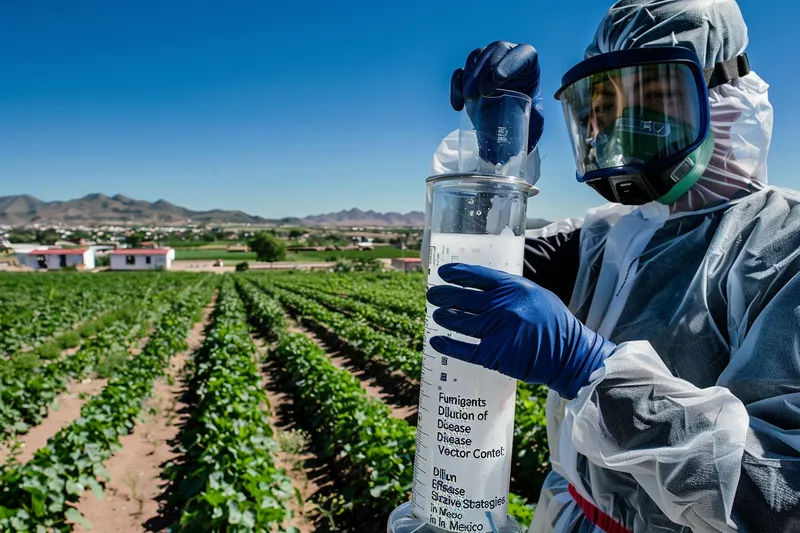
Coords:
pixel 118 209
pixel 357 217
pixel 99 208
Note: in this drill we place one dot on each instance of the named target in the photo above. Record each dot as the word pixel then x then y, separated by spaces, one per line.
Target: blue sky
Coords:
pixel 293 108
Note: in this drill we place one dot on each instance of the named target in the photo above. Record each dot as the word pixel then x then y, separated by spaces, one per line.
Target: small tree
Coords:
pixel 135 239
pixel 20 235
pixel 47 237
pixel 78 235
pixel 267 247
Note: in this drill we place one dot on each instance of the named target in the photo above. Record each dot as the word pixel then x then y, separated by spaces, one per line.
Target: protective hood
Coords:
pixel 741 115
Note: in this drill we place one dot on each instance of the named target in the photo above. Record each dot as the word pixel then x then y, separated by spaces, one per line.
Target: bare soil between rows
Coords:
pixel 133 498
pixel 325 482
pixel 341 356
pixel 373 382
pixel 307 474
pixel 393 388
pixel 65 410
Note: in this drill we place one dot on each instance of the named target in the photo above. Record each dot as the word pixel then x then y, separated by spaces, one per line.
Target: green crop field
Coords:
pixel 381 252
pixel 194 254
pixel 219 403
pixel 212 255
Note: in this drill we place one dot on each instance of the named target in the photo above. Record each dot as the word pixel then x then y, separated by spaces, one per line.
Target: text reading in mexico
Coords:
pixel 462 483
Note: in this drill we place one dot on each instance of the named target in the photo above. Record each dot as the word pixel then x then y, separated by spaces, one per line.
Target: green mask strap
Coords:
pixel 689 171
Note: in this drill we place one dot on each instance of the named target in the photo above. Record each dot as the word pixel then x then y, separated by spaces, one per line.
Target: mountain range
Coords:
pixel 119 209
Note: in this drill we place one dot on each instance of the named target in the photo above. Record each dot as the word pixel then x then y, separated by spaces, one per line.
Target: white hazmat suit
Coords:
pixel 693 424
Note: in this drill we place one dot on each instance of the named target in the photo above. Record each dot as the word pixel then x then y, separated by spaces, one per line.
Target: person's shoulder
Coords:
pixel 766 224
pixel 789 194
pixel 768 203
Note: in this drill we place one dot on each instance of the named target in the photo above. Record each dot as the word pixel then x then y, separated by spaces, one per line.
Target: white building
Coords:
pixel 142 259
pixel 25 248
pixel 57 258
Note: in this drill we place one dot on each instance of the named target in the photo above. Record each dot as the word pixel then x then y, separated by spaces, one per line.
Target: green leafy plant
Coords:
pixel 393 323
pixel 531 457
pixel 48 351
pixel 521 510
pixel 228 479
pixel 394 352
pixel 111 362
pixel 70 339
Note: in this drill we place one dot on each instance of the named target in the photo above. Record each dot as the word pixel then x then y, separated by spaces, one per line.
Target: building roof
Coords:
pixel 408 259
pixel 141 251
pixel 60 251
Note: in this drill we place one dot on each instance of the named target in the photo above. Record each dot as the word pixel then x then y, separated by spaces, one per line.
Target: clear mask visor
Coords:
pixel 632 116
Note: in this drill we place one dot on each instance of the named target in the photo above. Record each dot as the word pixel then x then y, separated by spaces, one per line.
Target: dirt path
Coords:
pixel 30 441
pixel 67 410
pixel 319 472
pixel 72 351
pixel 294 456
pixel 369 382
pixel 131 497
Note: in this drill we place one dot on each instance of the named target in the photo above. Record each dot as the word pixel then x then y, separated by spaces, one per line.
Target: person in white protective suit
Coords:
pixel 674 404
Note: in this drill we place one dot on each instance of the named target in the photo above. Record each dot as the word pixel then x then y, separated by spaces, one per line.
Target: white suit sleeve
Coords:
pixel 722 458
pixel 445 159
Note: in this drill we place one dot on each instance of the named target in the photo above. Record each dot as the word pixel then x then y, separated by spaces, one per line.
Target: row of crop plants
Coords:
pixel 530 452
pixel 399 324
pixel 227 479
pixel 26 393
pixel 30 382
pixel 40 495
pixel 33 307
pixel 393 352
pixel 371 453
pixel 402 293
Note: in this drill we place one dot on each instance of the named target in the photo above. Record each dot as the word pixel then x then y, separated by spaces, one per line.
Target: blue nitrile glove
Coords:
pixel 525 331
pixel 501 65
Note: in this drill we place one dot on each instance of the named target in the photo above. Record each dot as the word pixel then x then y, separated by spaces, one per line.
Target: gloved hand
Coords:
pixel 525 331
pixel 501 65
